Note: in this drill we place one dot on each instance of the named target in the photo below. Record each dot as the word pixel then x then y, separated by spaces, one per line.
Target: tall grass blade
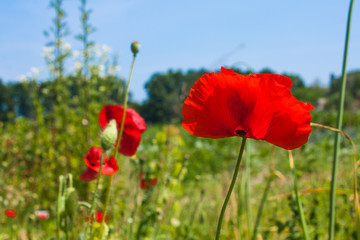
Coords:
pixel 297 198
pixel 338 126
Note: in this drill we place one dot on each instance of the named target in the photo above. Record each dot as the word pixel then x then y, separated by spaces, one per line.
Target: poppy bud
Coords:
pixel 62 206
pixel 109 135
pixel 71 203
pixel 135 46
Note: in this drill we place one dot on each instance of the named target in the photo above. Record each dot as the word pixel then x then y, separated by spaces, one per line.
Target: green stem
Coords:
pixel 108 191
pixel 94 197
pixel 107 199
pixel 133 213
pixel 61 182
pixel 298 200
pixel 247 188
pixel 70 178
pixel 241 202
pixel 232 184
pixel 125 107
pixel 262 203
pixel 338 126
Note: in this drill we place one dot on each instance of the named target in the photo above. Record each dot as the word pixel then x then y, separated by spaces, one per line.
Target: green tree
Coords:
pixel 166 94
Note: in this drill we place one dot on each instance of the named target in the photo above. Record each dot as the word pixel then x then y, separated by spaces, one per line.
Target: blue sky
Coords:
pixel 304 37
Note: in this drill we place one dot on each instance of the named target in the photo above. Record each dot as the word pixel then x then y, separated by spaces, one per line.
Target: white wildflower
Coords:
pixel 113 70
pixel 35 72
pixel 97 51
pixel 175 222
pixel 47 51
pixel 84 122
pixel 76 54
pixel 130 220
pixel 106 49
pixel 67 46
pixel 22 78
pixel 77 66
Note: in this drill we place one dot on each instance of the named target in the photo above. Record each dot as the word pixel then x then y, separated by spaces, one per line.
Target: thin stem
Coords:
pixel 61 182
pixel 94 197
pixel 297 198
pixel 120 133
pixel 338 126
pixel 107 199
pixel 247 188
pixel 262 203
pixel 125 107
pixel 232 184
pixel 133 214
pixel 70 178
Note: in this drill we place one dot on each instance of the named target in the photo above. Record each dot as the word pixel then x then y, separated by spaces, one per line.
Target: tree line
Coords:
pixel 166 93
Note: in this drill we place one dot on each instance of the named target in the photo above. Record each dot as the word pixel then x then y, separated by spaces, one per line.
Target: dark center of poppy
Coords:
pixel 240 133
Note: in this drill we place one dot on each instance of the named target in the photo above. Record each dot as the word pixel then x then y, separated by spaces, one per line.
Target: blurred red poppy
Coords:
pixel 133 128
pixel 92 160
pixel 258 106
pixel 10 213
pixel 42 214
pixel 88 175
pixel 146 183
pixel 98 217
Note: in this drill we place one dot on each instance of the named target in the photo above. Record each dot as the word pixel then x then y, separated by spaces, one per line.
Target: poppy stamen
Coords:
pixel 240 133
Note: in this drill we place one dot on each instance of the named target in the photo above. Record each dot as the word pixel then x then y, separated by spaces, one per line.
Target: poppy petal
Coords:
pixel 110 167
pixel 93 157
pixel 134 126
pixel 290 128
pixel 93 160
pixel 129 143
pixel 147 183
pixel 227 104
pixel 133 121
pixel 88 175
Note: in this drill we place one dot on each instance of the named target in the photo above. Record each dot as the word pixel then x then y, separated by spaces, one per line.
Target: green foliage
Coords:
pixel 310 94
pixel 166 94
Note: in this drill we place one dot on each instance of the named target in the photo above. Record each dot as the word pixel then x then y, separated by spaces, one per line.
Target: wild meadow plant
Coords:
pixel 109 186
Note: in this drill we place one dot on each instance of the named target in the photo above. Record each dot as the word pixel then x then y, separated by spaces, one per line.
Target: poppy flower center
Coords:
pixel 240 133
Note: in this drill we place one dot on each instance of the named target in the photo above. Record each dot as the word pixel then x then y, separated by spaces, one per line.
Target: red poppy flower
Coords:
pixel 258 106
pixel 147 183
pixel 42 214
pixel 98 216
pixel 10 213
pixel 92 160
pixel 133 128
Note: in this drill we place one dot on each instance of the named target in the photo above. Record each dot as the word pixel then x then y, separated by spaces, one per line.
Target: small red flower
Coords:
pixel 10 213
pixel 133 128
pixel 98 216
pixel 258 106
pixel 147 183
pixel 93 159
pixel 42 214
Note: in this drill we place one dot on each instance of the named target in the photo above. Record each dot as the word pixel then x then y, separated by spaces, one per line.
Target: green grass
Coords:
pixel 193 176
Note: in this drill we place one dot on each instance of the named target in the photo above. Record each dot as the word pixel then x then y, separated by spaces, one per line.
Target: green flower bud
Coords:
pixel 71 204
pixel 135 46
pixel 109 135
